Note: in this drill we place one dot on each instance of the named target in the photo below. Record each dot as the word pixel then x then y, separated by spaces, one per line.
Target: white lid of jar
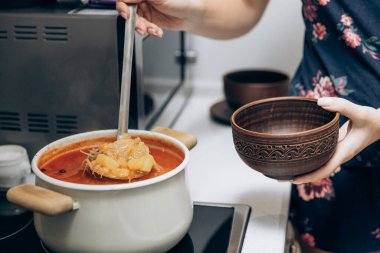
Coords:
pixel 12 154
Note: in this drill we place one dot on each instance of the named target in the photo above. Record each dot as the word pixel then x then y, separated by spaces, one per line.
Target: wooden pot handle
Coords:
pixel 41 200
pixel 188 139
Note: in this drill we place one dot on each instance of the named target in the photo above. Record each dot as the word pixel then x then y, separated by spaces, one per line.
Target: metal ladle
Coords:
pixel 129 38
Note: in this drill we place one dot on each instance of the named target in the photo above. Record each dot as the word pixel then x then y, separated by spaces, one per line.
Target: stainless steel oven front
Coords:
pixel 60 72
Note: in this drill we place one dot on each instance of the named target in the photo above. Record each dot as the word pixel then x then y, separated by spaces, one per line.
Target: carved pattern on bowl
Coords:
pixel 286 152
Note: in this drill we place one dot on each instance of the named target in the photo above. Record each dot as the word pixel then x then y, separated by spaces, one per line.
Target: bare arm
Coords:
pixel 226 19
pixel 219 19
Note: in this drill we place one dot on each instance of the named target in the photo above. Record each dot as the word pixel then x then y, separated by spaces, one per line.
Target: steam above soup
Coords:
pixel 97 161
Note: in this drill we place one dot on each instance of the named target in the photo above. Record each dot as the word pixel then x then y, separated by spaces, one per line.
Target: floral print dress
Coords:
pixel 341 59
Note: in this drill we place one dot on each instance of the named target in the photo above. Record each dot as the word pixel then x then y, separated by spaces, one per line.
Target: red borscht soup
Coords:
pixel 67 163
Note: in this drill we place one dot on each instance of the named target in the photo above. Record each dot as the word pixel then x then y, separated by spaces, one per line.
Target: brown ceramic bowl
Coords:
pixel 284 137
pixel 244 86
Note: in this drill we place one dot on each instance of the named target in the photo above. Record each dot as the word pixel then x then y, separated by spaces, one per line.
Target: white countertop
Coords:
pixel 216 174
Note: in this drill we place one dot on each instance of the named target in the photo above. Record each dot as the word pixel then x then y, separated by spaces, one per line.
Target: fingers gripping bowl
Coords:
pixel 149 215
pixel 284 137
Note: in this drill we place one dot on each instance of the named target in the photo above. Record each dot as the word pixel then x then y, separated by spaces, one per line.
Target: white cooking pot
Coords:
pixel 151 215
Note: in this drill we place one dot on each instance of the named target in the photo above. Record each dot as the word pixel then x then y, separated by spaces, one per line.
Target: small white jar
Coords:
pixel 14 165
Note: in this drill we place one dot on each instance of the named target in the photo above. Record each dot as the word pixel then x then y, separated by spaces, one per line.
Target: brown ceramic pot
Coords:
pixel 244 86
pixel 284 137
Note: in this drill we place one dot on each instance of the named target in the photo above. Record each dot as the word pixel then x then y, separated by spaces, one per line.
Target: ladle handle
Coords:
pixel 186 138
pixel 126 77
pixel 41 200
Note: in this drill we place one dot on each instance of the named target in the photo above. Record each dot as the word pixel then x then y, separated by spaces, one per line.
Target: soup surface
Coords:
pixel 67 163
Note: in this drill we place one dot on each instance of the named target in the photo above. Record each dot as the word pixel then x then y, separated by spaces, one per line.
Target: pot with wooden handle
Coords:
pixel 151 215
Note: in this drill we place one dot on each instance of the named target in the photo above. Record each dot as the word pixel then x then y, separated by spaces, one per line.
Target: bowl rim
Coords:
pixel 270 135
pixel 110 187
pixel 283 82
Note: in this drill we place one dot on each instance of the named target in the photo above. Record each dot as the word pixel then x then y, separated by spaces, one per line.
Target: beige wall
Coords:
pixel 276 42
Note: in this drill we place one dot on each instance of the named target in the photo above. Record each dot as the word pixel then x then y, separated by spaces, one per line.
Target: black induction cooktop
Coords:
pixel 215 228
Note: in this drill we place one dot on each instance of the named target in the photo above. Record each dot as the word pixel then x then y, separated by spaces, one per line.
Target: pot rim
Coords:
pixel 112 187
